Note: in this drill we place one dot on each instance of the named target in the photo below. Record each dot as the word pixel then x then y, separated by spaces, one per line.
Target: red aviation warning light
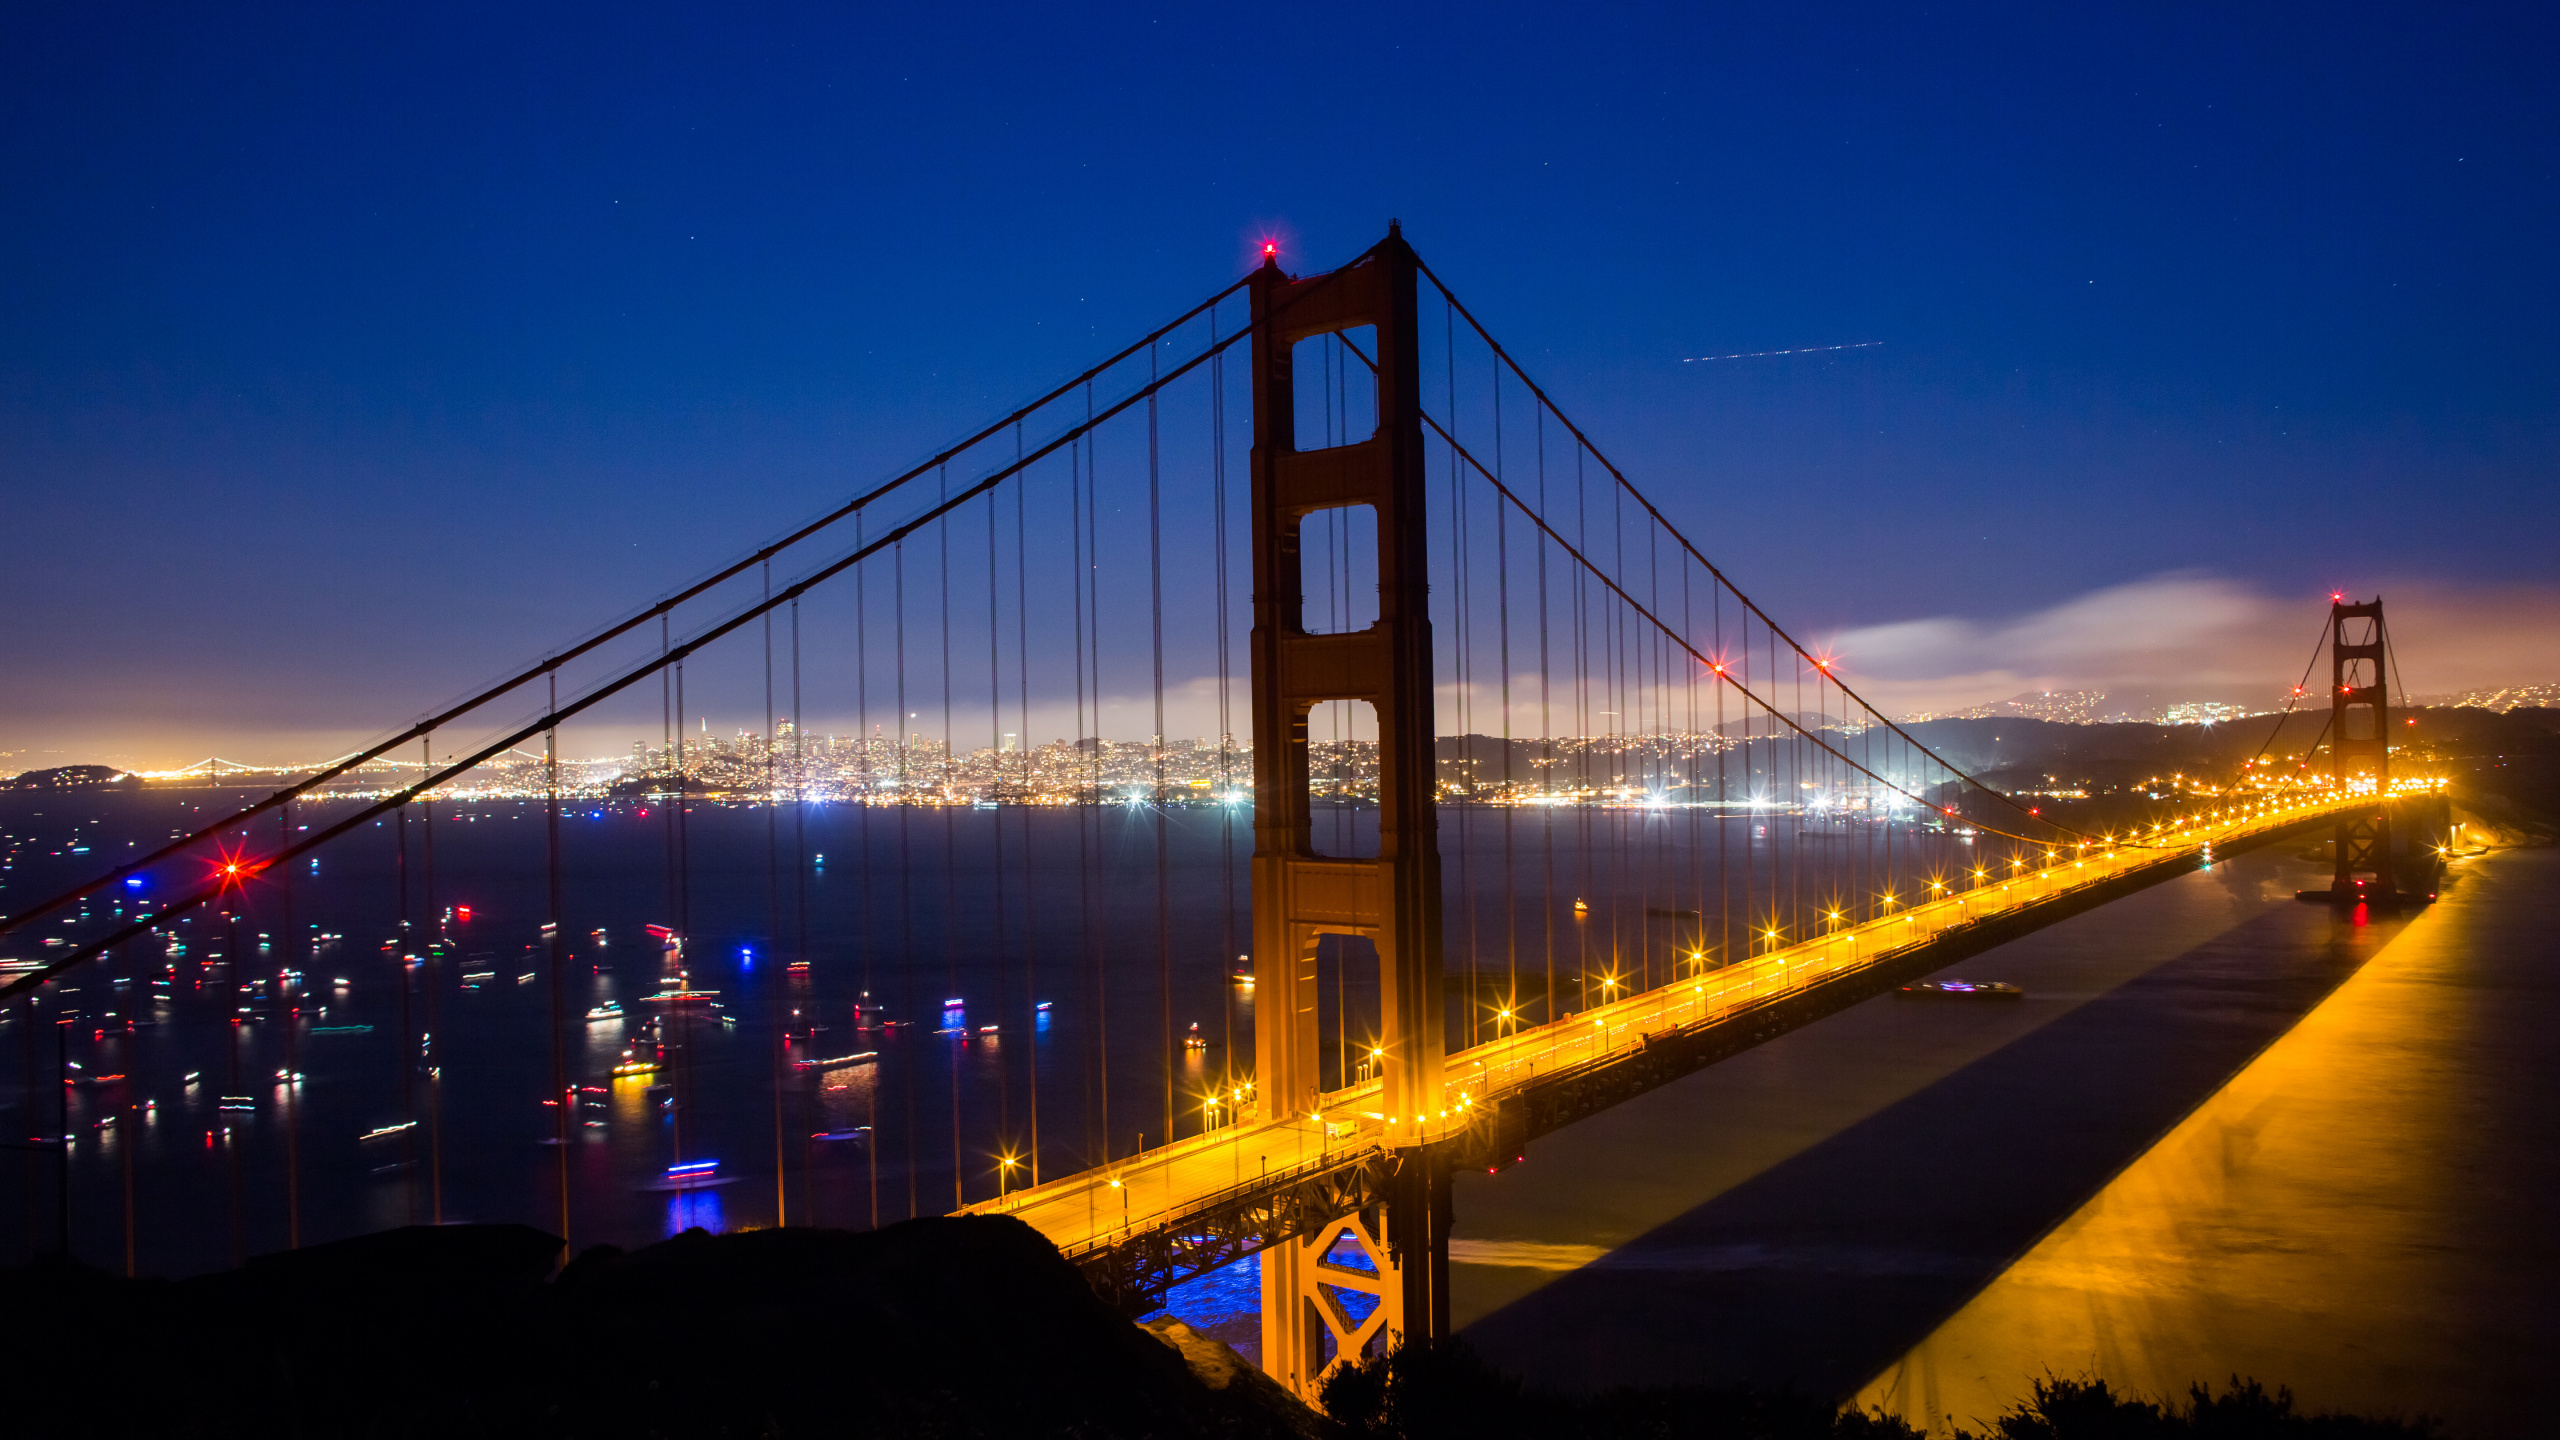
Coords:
pixel 233 868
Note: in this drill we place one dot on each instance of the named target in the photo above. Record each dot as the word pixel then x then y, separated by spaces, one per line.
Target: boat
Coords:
pixel 836 1062
pixel 609 1010
pixel 636 1064
pixel 1195 1040
pixel 857 1134
pixel 691 1175
pixel 1960 990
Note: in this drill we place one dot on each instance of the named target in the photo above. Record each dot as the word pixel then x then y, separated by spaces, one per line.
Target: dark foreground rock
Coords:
pixel 1448 1392
pixel 959 1327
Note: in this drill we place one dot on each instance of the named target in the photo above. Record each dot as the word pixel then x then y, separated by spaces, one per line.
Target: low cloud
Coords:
pixel 2158 641
pixel 2192 636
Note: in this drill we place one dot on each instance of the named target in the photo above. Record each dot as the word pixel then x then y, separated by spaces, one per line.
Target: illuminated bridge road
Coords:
pixel 1164 1215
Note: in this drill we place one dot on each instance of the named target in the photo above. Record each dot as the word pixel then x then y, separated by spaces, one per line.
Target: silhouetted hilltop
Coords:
pixel 69 777
pixel 957 1327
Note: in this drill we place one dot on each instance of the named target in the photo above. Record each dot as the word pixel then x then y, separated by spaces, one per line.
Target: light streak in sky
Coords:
pixel 1762 354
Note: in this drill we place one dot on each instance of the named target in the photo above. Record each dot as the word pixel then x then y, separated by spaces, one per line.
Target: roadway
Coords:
pixel 1097 1206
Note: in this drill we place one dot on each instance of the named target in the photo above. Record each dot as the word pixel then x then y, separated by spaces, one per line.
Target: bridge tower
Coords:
pixel 1393 898
pixel 2360 744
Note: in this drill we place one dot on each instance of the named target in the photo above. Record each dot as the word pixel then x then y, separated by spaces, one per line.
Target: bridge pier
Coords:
pixel 1395 1254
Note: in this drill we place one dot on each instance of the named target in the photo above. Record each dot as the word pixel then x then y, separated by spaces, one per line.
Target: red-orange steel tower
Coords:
pixel 1298 894
pixel 2360 743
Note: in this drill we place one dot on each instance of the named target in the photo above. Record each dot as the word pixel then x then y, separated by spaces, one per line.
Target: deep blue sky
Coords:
pixel 336 340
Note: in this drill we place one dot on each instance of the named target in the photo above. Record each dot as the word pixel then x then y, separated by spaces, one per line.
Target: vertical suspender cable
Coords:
pixel 950 848
pixel 1546 744
pixel 1751 813
pixel 1502 649
pixel 400 958
pixel 1226 723
pixel 1583 746
pixel 906 883
pixel 1163 802
pixel 1085 801
pixel 1470 764
pixel 778 998
pixel 995 744
pixel 800 878
pixel 435 1008
pixel 684 843
pixel 1022 681
pixel 289 991
pixel 1613 634
pixel 870 919
pixel 680 1100
pixel 1724 797
pixel 564 1099
pixel 1091 580
pixel 666 760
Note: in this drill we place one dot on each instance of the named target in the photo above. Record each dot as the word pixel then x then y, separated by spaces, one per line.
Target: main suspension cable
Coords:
pixel 1698 555
pixel 551 664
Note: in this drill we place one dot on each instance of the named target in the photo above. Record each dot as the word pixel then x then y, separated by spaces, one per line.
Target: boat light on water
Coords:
pixel 1960 990
pixel 830 1064
pixel 691 1175
pixel 856 1133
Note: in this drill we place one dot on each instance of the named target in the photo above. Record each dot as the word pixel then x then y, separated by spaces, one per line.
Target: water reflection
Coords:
pixel 2355 1215
pixel 1806 1211
pixel 691 1209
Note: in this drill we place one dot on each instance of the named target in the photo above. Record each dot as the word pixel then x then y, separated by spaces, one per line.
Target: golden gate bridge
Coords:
pixel 1545 811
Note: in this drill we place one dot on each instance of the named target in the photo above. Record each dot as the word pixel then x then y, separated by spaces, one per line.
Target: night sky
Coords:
pixel 350 353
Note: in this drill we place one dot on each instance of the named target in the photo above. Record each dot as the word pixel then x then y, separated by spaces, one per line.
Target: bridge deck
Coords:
pixel 1152 1190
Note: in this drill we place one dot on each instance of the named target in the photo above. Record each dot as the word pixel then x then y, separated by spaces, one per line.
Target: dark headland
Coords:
pixel 943 1327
